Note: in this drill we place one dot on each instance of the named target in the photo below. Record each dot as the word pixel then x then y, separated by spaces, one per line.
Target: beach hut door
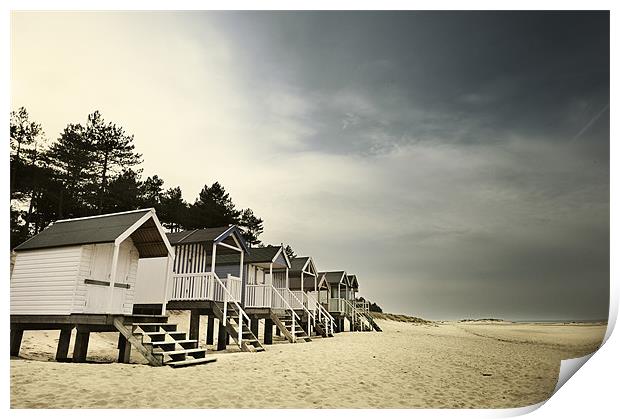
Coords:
pixel 97 282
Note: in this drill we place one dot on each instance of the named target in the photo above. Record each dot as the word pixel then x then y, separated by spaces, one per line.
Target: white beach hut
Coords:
pixel 86 265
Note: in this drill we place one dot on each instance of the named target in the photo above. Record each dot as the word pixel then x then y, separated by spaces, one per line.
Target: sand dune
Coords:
pixel 409 365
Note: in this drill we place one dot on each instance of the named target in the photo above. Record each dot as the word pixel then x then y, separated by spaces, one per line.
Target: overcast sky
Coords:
pixel 458 163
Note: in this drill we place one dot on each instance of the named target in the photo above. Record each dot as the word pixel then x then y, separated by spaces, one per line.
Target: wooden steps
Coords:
pixel 290 328
pixel 160 342
pixel 372 322
pixel 249 342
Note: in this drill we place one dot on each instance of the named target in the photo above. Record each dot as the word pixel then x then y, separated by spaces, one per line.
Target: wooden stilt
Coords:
pixel 62 351
pixel 80 348
pixel 254 325
pixel 210 329
pixel 124 349
pixel 222 337
pixel 16 341
pixel 194 324
pixel 268 333
pixel 277 331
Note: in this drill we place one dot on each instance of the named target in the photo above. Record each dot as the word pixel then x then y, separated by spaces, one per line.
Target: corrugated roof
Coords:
pixel 333 277
pixel 88 230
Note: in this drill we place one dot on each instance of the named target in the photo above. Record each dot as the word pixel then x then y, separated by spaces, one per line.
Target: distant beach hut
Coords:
pixel 306 283
pixel 267 296
pixel 82 273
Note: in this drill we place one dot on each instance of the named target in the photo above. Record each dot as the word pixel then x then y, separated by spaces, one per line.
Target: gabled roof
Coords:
pixel 353 281
pixel 141 225
pixel 207 236
pixel 298 263
pixel 335 277
pixel 302 263
pixel 265 254
pixel 294 283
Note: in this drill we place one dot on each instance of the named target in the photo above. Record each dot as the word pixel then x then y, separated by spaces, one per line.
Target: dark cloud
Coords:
pixel 518 225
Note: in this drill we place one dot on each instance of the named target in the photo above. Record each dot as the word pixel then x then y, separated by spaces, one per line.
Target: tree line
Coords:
pixel 93 168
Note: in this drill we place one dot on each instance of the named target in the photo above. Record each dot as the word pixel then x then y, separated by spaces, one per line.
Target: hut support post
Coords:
pixel 210 328
pixel 124 349
pixel 81 345
pixel 16 341
pixel 194 324
pixel 62 351
pixel 254 326
pixel 268 333
pixel 222 337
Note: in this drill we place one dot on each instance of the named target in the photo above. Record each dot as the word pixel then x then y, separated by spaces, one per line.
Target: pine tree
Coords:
pixel 123 192
pixel 114 150
pixel 151 191
pixel 289 251
pixel 251 227
pixel 213 208
pixel 172 210
pixel 72 156
pixel 24 134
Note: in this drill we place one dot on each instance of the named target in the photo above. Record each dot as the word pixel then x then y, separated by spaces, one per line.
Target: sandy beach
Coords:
pixel 439 365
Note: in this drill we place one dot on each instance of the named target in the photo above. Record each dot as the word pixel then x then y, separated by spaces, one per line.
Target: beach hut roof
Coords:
pixel 321 283
pixel 335 277
pixel 141 225
pixel 265 254
pixel 303 264
pixel 353 281
pixel 208 236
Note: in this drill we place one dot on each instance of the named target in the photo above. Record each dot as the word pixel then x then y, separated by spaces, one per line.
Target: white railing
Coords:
pixel 208 286
pixel 258 295
pixel 233 298
pixel 336 305
pixel 312 301
pixel 299 299
pixel 290 298
pixel 192 286
pixel 234 285
pixel 279 301
pixel 204 286
pixel 322 315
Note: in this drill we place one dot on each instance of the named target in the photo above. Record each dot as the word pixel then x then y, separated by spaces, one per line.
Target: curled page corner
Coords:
pixel 568 367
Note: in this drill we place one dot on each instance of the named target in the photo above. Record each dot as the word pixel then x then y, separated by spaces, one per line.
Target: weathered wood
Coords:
pixel 136 343
pixel 254 325
pixel 80 349
pixel 16 340
pixel 210 329
pixel 222 337
pixel 278 331
pixel 62 351
pixel 268 332
pixel 194 324
pixel 124 349
pixel 281 327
